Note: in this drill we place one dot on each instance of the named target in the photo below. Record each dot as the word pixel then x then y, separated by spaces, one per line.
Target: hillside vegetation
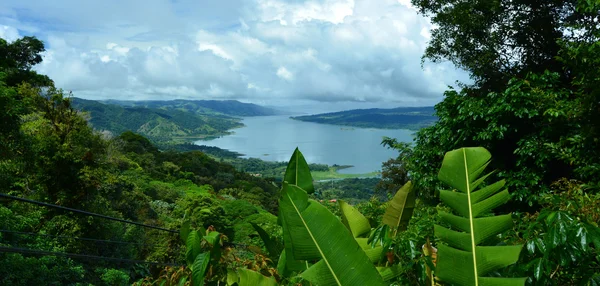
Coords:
pixel 160 123
pixel 203 107
pixel 521 209
pixel 413 118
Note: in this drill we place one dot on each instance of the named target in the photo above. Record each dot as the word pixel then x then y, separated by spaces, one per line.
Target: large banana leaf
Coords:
pixel 287 268
pixel 315 233
pixel 464 261
pixel 355 222
pixel 298 173
pixel 252 278
pixel 390 272
pixel 400 209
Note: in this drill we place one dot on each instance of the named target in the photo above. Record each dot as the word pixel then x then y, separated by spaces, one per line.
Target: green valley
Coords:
pixel 202 107
pixel 162 124
pixel 499 186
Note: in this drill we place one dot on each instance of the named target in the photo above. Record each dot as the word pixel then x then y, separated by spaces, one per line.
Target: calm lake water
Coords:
pixel 273 138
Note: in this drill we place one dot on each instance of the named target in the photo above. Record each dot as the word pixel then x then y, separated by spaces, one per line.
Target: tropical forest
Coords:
pixel 497 184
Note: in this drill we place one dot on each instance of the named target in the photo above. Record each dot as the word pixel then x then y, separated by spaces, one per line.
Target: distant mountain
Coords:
pixel 226 107
pixel 164 125
pixel 412 118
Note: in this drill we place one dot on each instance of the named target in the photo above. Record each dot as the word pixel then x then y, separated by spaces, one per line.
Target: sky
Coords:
pixel 307 54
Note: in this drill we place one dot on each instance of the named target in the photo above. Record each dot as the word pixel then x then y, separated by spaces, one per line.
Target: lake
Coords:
pixel 274 138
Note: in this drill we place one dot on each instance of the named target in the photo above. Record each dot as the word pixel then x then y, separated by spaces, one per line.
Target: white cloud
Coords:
pixel 9 33
pixel 283 73
pixel 259 50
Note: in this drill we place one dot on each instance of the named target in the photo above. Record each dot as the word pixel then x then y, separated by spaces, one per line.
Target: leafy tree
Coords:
pixel 17 59
pixel 536 115
pixel 497 40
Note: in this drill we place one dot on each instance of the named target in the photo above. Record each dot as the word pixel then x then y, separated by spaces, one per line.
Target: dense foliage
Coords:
pixel 533 107
pixel 50 154
pixel 164 125
pixel 202 107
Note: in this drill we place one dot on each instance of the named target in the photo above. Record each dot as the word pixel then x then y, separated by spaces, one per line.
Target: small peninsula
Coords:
pixel 413 118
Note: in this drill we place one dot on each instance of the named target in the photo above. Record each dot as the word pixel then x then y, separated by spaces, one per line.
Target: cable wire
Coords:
pixel 73 255
pixel 2 195
pixel 72 237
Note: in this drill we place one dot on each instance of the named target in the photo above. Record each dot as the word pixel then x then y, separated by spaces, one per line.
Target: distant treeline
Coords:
pixel 413 118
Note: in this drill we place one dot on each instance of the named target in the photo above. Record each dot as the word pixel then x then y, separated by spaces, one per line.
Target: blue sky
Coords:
pixel 331 53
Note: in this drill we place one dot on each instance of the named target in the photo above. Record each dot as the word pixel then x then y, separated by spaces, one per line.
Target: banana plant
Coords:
pixel 313 233
pixel 400 209
pixel 395 219
pixel 247 277
pixel 463 258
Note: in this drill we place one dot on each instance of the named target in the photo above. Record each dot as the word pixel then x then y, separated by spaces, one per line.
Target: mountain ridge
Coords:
pixel 159 124
pixel 205 107
pixel 412 118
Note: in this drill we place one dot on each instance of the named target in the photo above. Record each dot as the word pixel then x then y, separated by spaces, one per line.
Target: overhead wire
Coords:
pixel 2 195
pixel 73 237
pixel 82 256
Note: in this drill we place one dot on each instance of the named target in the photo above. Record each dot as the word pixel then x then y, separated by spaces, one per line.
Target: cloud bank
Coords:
pixel 265 51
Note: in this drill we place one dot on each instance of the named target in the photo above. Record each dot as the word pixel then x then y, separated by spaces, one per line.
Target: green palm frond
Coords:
pixel 463 259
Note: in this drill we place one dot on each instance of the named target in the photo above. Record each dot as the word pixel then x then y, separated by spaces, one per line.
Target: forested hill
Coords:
pixel 160 125
pixel 226 107
pixel 394 118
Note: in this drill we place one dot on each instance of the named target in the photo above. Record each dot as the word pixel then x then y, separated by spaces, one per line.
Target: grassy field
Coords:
pixel 332 173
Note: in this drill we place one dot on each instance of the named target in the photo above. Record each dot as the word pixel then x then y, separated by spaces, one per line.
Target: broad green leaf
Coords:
pixel 199 268
pixel 462 260
pixel 248 277
pixel 298 173
pixel 485 228
pixel 287 268
pixel 355 222
pixel 232 277
pixel 461 167
pixel 375 254
pixel 390 272
pixel 400 209
pixel 184 231
pixel 193 247
pixel 319 274
pixel 214 238
pixel 292 263
pixel 274 247
pixel 315 233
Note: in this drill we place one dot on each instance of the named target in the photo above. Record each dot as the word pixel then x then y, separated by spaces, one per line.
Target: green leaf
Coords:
pixel 193 247
pixel 298 173
pixel 184 231
pixel 252 278
pixel 274 247
pixel 214 238
pixel 287 268
pixel 199 268
pixel 390 272
pixel 463 260
pixel 400 209
pixel 232 277
pixel 315 233
pixel 182 281
pixel 538 270
pixel 355 222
